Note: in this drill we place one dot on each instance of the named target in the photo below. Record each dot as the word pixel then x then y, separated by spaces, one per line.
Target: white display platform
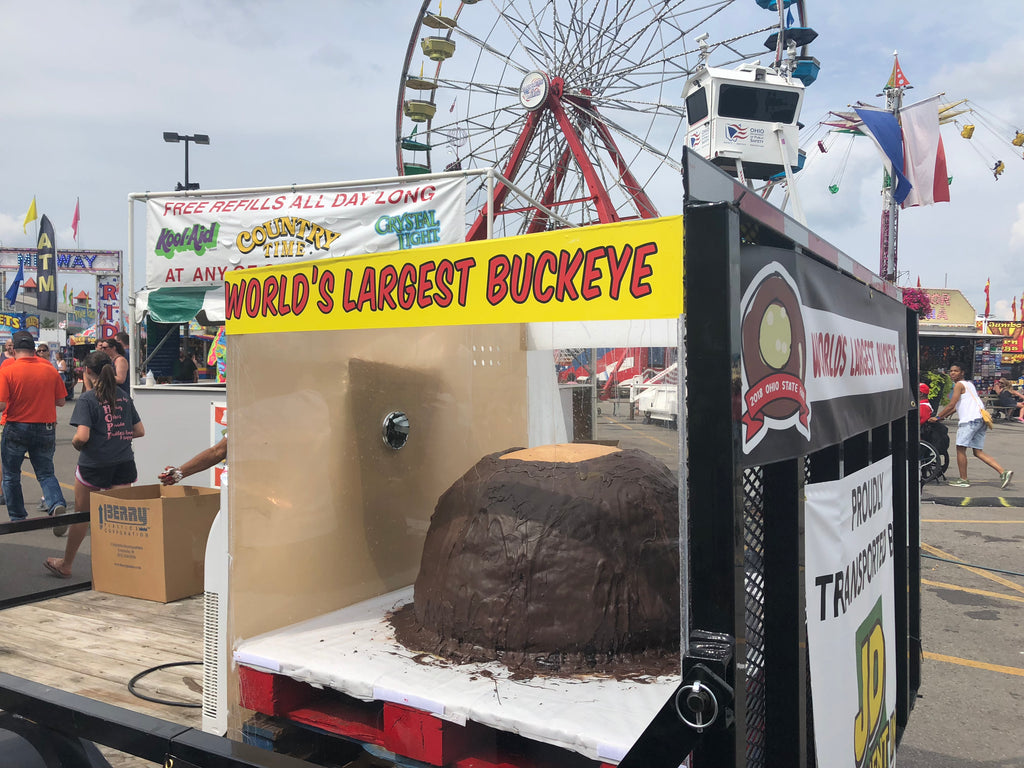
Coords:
pixel 354 651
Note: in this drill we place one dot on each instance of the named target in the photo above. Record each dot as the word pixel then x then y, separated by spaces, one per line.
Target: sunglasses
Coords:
pixel 42 349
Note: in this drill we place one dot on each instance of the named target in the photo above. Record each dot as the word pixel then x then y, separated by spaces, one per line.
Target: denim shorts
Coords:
pixel 971 434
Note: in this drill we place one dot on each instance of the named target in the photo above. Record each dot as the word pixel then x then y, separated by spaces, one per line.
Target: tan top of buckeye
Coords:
pixel 562 453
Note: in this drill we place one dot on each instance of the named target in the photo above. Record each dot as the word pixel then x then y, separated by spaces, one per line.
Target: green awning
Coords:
pixel 182 305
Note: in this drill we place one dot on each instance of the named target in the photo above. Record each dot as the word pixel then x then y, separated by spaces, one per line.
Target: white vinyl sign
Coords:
pixel 197 239
pixel 851 625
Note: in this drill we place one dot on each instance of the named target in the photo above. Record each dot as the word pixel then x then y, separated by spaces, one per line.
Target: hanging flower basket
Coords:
pixel 917 300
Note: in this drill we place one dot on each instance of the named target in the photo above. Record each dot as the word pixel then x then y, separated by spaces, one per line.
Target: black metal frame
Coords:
pixel 149 738
pixel 773 725
pixel 35 524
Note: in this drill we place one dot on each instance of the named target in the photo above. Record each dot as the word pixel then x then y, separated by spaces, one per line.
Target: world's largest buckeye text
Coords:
pixel 565 276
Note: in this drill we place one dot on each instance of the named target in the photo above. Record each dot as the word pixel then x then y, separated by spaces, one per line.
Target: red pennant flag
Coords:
pixel 918 281
pixel 897 79
pixel 988 284
pixel 74 221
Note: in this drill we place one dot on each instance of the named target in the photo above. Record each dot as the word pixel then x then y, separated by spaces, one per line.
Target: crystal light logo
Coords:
pixel 735 132
pixel 411 229
pixel 196 238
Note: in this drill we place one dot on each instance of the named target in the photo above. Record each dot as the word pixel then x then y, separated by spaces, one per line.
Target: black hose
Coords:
pixel 971 565
pixel 143 673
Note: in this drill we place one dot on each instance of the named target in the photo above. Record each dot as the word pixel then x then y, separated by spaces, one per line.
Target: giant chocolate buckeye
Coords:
pixel 558 558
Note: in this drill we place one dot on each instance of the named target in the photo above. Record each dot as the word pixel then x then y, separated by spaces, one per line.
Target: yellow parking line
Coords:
pixel 984 574
pixel 982 592
pixel 646 437
pixel 976 664
pixel 65 486
pixel 995 522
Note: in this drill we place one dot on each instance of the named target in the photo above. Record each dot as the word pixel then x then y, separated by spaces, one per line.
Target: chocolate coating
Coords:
pixel 558 565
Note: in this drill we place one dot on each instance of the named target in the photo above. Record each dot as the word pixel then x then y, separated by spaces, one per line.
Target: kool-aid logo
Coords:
pixel 196 238
pixel 735 132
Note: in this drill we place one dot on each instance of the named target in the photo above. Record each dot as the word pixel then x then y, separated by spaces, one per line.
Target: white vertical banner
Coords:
pixel 851 621
pixel 218 431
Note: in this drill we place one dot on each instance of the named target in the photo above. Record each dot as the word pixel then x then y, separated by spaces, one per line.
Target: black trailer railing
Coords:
pixel 746 495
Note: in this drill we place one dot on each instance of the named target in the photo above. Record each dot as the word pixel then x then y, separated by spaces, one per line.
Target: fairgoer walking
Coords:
pixel 970 433
pixel 31 390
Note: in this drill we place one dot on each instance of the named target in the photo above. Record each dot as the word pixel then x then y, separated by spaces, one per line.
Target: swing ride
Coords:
pixel 580 104
pixel 998 139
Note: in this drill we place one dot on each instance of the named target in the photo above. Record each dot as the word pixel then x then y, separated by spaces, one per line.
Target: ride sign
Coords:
pixel 628 270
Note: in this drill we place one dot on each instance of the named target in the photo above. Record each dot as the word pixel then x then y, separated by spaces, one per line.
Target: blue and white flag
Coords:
pixel 12 291
pixel 884 129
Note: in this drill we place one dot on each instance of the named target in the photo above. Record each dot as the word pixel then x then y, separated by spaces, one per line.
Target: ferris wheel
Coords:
pixel 577 103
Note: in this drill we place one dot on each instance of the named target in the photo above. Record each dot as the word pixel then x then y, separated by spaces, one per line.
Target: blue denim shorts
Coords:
pixel 971 434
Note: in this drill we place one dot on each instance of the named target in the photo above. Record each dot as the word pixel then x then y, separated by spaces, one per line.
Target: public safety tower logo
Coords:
pixel 736 132
pixel 773 357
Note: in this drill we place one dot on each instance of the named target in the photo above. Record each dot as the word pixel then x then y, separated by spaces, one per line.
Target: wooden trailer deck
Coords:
pixel 92 644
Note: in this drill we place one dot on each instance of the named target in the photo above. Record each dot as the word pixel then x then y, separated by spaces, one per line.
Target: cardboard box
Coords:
pixel 149 541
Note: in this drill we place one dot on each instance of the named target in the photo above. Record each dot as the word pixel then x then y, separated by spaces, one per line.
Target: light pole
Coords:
pixel 174 138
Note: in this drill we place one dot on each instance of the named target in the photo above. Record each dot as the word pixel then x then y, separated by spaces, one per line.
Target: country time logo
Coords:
pixel 412 229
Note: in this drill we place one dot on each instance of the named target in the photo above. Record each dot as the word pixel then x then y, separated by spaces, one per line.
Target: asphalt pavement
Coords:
pixel 971 706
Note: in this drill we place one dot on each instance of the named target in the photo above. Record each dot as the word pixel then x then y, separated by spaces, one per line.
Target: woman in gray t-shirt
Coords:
pixel 106 422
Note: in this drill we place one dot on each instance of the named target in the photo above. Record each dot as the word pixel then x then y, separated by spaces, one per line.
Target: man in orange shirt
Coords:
pixel 30 392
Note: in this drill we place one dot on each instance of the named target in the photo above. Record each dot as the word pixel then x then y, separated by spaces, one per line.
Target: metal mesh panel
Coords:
pixel 753 556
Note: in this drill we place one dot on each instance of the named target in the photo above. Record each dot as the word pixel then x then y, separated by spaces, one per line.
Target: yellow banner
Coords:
pixel 631 270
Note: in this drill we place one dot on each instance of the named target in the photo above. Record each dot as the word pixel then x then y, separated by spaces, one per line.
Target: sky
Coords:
pixel 306 91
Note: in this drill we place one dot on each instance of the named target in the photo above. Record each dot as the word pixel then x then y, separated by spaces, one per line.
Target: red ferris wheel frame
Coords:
pixel 560 105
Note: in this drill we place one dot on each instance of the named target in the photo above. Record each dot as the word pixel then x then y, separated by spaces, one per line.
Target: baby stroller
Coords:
pixel 934 451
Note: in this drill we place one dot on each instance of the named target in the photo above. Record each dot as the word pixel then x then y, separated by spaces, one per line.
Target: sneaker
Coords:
pixel 59 530
pixel 1005 478
pixel 42 505
pixel 959 483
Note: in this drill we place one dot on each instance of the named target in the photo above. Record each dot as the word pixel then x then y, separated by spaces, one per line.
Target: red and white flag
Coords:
pixel 74 221
pixel 924 159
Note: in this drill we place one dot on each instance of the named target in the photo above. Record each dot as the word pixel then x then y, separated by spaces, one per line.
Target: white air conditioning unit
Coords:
pixel 215 621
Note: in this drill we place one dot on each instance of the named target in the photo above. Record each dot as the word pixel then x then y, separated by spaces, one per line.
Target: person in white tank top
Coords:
pixel 970 432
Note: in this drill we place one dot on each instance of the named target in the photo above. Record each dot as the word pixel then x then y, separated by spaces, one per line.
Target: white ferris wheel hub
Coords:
pixel 533 91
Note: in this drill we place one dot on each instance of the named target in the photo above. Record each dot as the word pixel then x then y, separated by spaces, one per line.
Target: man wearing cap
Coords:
pixel 30 392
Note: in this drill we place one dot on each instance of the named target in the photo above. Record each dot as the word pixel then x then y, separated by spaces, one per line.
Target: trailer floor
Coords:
pixel 92 644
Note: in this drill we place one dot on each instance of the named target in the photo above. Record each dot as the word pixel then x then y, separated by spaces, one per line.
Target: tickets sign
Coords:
pixel 630 270
pixel 199 239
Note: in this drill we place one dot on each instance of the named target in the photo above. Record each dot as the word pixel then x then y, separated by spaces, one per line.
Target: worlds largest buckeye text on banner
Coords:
pixel 197 239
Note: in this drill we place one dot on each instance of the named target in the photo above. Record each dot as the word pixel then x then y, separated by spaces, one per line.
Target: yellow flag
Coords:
pixel 30 216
